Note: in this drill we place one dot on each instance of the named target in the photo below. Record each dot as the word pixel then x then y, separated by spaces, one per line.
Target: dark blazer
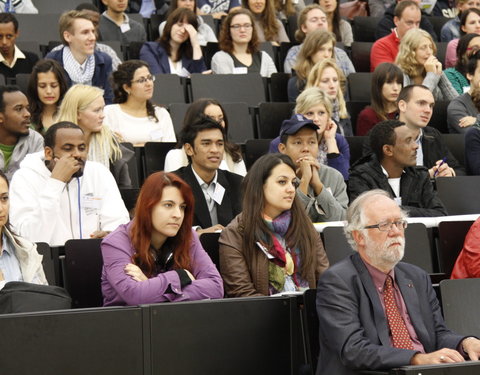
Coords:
pixel 101 75
pixel 353 327
pixel 157 58
pixel 232 200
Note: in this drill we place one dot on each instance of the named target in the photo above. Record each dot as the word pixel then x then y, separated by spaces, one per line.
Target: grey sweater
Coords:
pixel 109 30
pixel 458 108
pixel 331 204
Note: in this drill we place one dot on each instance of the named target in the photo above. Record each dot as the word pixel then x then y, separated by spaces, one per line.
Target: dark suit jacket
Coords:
pixel 353 327
pixel 232 200
pixel 157 58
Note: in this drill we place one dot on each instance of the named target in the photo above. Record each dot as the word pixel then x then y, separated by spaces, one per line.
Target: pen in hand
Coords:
pixel 439 165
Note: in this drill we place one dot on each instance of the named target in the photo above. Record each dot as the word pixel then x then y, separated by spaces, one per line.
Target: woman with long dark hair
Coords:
pixel 340 27
pixel 46 88
pixel 157 257
pixel 269 27
pixel 178 50
pixel 387 82
pixel 232 157
pixel 133 116
pixel 272 246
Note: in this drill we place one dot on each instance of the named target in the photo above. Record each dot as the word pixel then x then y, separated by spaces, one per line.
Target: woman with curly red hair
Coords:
pixel 157 257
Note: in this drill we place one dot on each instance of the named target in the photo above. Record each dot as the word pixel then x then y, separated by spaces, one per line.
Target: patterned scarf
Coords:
pixel 282 267
pixel 74 70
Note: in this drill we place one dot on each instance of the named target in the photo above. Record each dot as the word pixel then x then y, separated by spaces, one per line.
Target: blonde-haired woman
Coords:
pixel 318 46
pixel 333 149
pixel 83 105
pixel 327 75
pixel 416 57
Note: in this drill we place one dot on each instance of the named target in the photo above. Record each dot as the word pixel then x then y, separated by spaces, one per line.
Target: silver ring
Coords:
pixel 442 358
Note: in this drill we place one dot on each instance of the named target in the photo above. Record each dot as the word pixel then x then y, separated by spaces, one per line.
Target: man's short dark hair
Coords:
pixel 406 92
pixel 51 134
pixel 400 7
pixel 383 134
pixel 472 63
pixel 3 90
pixel 87 6
pixel 190 131
pixel 9 17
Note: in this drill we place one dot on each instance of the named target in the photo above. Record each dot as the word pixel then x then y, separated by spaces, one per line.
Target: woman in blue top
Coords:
pixel 178 50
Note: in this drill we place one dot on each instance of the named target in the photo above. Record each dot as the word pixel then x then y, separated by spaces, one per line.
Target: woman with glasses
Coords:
pixel 271 246
pixel 84 105
pixel 417 59
pixel 178 50
pixel 239 47
pixel 157 257
pixel 134 118
pixel 468 45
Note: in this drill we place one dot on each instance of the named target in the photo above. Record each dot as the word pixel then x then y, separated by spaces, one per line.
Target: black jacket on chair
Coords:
pixel 232 200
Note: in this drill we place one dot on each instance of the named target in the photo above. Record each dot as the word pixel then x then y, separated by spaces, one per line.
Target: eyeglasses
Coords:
pixel 386 226
pixel 246 26
pixel 145 79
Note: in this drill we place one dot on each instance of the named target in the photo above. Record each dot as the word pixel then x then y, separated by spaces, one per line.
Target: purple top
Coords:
pixel 120 289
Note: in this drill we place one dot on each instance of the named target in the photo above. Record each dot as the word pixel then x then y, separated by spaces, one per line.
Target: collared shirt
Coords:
pixel 17 54
pixel 208 192
pixel 378 278
pixel 9 265
pixel 418 141
pixel 125 25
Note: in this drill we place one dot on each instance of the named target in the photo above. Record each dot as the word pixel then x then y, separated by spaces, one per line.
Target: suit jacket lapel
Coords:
pixel 224 210
pixel 202 215
pixel 410 296
pixel 378 312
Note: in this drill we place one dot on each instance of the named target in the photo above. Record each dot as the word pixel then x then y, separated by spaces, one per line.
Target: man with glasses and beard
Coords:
pixel 375 312
pixel 57 195
pixel 16 138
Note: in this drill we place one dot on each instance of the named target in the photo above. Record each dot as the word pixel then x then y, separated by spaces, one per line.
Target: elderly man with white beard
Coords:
pixel 375 312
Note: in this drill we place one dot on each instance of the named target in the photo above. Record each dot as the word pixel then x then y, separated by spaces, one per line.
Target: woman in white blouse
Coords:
pixel 134 118
pixel 232 156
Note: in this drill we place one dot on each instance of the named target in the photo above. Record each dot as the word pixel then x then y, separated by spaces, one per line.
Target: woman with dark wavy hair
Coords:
pixel 46 88
pixel 134 118
pixel 157 257
pixel 239 51
pixel 178 50
pixel 272 246
pixel 232 157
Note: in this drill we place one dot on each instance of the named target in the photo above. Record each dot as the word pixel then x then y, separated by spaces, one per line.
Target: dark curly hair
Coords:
pixel 124 76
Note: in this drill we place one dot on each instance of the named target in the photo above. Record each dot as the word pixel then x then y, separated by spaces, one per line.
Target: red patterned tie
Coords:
pixel 400 337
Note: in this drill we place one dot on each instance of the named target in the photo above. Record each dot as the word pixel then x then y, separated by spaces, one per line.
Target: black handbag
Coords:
pixel 18 297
